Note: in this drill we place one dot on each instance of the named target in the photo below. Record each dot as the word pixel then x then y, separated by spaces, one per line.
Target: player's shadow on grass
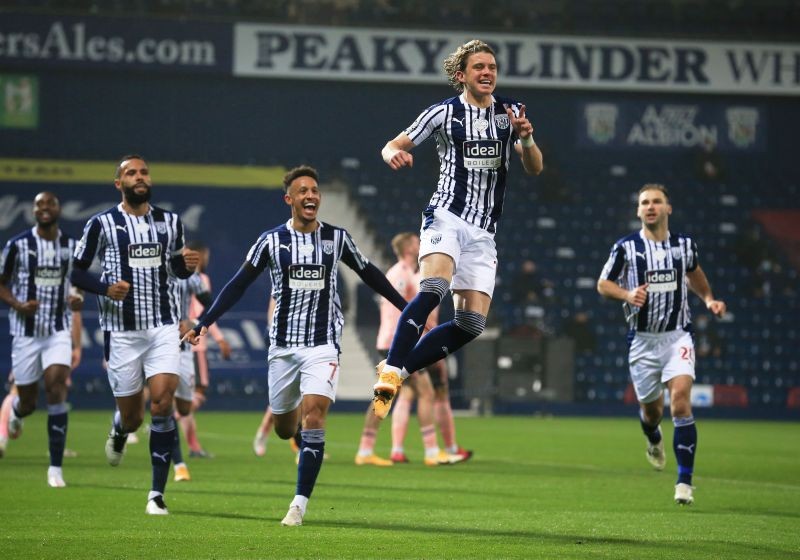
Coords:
pixel 180 488
pixel 218 515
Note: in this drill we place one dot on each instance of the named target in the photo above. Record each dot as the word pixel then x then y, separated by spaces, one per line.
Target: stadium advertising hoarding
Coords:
pixel 627 125
pixel 94 42
pixel 277 51
pixel 386 55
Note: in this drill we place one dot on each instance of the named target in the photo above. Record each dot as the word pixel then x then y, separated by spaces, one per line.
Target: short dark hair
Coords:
pixel 654 187
pixel 123 159
pixel 299 171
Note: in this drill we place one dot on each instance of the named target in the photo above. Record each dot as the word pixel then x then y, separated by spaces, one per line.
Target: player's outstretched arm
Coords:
pixel 376 280
pixel 230 294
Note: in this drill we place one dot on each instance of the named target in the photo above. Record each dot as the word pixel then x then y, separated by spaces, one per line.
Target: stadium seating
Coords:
pixel 569 239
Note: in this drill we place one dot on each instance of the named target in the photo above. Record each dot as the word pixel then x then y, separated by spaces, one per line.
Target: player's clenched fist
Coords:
pixel 118 290
pixel 637 296
pixel 191 258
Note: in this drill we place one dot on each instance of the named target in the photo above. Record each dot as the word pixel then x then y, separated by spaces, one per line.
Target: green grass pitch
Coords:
pixel 536 488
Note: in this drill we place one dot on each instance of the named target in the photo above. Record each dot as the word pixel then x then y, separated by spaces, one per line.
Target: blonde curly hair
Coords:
pixel 457 61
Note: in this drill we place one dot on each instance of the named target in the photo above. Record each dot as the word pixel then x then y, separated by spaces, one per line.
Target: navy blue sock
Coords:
pixel 177 452
pixel 162 440
pixel 445 339
pixel 413 319
pixel 57 432
pixel 312 450
pixel 684 443
pixel 437 344
pixel 652 433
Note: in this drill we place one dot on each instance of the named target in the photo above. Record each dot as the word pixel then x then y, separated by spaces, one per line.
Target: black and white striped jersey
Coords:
pixel 662 265
pixel 39 269
pixel 474 147
pixel 302 268
pixel 136 249
pixel 192 286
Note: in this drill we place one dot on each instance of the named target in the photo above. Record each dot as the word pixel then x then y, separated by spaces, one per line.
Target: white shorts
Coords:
pixel 134 356
pixel 301 370
pixel 185 390
pixel 655 358
pixel 31 355
pixel 472 249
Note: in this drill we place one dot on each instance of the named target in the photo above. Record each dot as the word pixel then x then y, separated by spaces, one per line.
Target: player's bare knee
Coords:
pixel 184 407
pixel 161 406
pixel 314 419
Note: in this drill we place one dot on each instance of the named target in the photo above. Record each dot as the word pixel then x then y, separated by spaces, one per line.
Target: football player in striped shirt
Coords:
pixel 475 134
pixel 35 283
pixel 142 256
pixel 652 271
pixel 302 256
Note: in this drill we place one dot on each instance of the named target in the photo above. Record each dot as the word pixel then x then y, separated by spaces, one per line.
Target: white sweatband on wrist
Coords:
pixel 527 142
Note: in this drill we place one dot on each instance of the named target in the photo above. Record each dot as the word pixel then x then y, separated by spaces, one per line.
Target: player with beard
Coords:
pixel 35 282
pixel 142 255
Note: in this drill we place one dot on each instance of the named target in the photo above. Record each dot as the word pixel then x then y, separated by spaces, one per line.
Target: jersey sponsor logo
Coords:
pixel 482 154
pixel 661 280
pixel 144 255
pixel 307 277
pixel 48 276
pixel 327 247
pixel 501 121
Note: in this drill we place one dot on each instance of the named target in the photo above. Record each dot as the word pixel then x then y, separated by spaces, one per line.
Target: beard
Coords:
pixel 134 198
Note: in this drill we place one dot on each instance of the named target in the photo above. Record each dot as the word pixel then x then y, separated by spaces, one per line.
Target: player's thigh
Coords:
pixel 477 270
pixel 645 369
pixel 26 362
pixel 124 351
pixel 319 371
pixel 678 355
pixel 283 380
pixel 57 350
pixel 163 354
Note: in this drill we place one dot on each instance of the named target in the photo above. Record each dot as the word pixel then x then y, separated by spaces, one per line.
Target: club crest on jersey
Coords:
pixel 480 124
pixel 144 255
pixel 307 277
pixel 436 238
pixel 327 246
pixel 501 121
pixel 48 276
pixel 161 227
pixel 481 154
pixel 661 280
pixel 676 253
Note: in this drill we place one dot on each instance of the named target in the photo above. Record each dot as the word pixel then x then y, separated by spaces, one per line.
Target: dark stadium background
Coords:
pixel 97 113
